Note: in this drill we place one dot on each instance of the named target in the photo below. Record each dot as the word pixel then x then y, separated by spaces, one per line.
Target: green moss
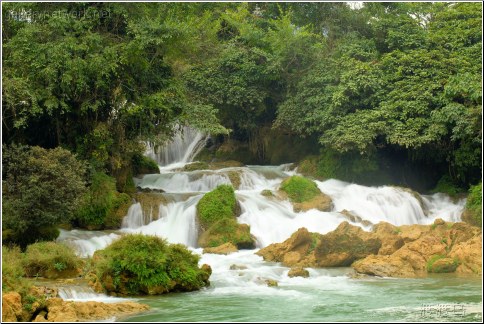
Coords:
pixel 473 211
pixel 49 259
pixel 144 165
pixel 300 189
pixel 441 267
pixel 216 205
pixel 137 264
pixel 227 231
pixel 195 166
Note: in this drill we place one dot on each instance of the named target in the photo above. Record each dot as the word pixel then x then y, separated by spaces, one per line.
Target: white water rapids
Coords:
pixel 270 220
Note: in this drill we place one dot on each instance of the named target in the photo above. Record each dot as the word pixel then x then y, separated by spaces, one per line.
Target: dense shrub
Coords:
pixel 50 260
pixel 473 211
pixel 446 185
pixel 138 264
pixel 102 206
pixel 12 269
pixel 41 189
pixel 300 189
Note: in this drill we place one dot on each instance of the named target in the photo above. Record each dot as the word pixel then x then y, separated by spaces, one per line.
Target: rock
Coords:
pixel 297 245
pixel 149 190
pixel 442 247
pixel 439 221
pixel 443 265
pixel 271 283
pixel 150 202
pixel 344 245
pixel 321 202
pixel 469 254
pixel 298 272
pixel 355 218
pixel 238 267
pixel 59 310
pixel 267 193
pixel 226 248
pixel 389 236
pixel 384 266
pixel 11 307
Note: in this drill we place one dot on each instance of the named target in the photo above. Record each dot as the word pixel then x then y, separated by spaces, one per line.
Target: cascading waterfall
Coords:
pixel 271 220
pixel 184 146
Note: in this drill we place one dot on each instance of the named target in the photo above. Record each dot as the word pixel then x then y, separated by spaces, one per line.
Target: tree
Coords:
pixel 41 189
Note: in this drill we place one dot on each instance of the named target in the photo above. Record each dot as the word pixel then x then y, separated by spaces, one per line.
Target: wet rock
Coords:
pixel 238 267
pixel 384 266
pixel 271 283
pixel 344 245
pixel 298 272
pixel 469 254
pixel 226 248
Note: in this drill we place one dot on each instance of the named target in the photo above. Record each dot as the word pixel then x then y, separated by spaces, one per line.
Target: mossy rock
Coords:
pixel 267 193
pixel 216 205
pixel 227 231
pixel 299 189
pixel 442 264
pixel 138 264
pixel 195 166
pixel 144 165
pixel 234 177
pixel 150 204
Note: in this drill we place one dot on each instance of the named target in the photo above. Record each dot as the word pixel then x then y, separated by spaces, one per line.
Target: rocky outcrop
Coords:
pixel 11 307
pixel 298 272
pixel 440 247
pixel 387 251
pixel 43 305
pixel 58 310
pixel 321 202
pixel 226 248
pixel 335 249
pixel 344 245
pixel 150 204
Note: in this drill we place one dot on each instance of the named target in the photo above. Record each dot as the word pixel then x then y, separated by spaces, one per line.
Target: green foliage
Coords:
pixel 300 189
pixel 442 268
pixel 13 270
pixel 216 205
pixel 139 264
pixel 49 259
pixel 41 189
pixel 473 211
pixel 103 206
pixel 144 165
pixel 446 185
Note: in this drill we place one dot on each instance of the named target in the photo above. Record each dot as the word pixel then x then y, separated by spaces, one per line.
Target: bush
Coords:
pixel 138 264
pixel 300 189
pixel 216 205
pixel 102 207
pixel 50 260
pixel 13 270
pixel 41 188
pixel 446 185
pixel 473 211
pixel 144 165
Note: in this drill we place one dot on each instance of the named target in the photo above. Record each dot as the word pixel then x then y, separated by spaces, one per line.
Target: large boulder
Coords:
pixel 217 213
pixel 290 252
pixel 440 247
pixel 344 245
pixel 11 307
pixel 304 194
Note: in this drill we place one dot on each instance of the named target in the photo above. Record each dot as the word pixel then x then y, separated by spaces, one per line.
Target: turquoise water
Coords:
pixel 328 295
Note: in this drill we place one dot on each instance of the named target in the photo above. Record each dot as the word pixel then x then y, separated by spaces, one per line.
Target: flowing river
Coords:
pixel 329 294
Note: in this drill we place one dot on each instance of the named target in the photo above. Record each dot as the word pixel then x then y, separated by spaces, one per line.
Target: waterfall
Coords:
pixel 183 147
pixel 271 220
